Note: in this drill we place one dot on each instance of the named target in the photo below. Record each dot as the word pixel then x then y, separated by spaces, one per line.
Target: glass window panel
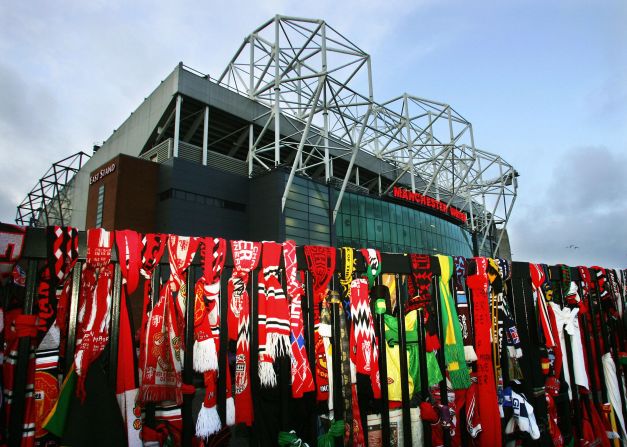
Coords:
pixel 362 206
pixel 363 229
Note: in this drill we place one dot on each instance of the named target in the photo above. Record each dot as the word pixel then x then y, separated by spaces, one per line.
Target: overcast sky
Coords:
pixel 543 82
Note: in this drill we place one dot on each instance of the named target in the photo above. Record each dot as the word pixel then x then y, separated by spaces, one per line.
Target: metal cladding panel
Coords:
pixel 266 221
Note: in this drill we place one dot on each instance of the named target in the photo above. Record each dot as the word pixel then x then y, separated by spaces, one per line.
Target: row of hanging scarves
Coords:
pixel 305 346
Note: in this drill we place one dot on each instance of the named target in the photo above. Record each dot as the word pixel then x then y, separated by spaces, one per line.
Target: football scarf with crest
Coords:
pixel 302 380
pixel 161 372
pixel 274 314
pixel 207 335
pixel 246 257
pixel 94 305
pixel 321 266
pixel 463 311
pixel 419 286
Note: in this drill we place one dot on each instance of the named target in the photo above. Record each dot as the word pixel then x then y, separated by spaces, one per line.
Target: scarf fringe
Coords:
pixel 267 376
pixel 470 354
pixel 324 330
pixel 205 355
pixel 230 411
pixel 160 393
pixel 278 344
pixel 208 422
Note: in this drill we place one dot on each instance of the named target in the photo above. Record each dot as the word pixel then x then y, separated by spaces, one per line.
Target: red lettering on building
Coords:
pixel 429 202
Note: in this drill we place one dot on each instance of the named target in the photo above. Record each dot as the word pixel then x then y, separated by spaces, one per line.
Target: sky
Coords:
pixel 543 82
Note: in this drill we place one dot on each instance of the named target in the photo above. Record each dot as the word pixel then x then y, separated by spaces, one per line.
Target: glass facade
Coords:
pixel 364 221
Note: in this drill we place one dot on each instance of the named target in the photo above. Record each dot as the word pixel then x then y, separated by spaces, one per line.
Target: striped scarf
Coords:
pixel 274 315
pixel 245 258
pixel 453 342
pixel 207 335
pixel 419 287
pixel 302 380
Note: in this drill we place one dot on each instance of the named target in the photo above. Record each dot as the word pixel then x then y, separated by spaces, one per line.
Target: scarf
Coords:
pixel 129 245
pixel 420 296
pixel 152 248
pixel 94 305
pixel 321 265
pixel 245 258
pixel 486 382
pixel 364 351
pixel 207 335
pixel 11 246
pixel 463 311
pixel 453 344
pixel 302 380
pixel 163 359
pixel 274 315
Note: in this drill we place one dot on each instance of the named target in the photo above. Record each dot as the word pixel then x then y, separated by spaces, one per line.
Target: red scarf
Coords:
pixel 274 315
pixel 95 302
pixel 245 258
pixel 364 347
pixel 321 265
pixel 486 384
pixel 129 247
pixel 302 380
pixel 161 372
pixel 207 333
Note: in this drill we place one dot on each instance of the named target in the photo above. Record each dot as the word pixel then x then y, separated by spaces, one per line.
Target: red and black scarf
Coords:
pixel 419 286
pixel 321 265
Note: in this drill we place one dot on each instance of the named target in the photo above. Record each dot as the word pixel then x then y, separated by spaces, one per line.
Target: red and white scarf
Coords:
pixel 321 265
pixel 364 345
pixel 245 258
pixel 161 372
pixel 129 248
pixel 302 380
pixel 94 305
pixel 274 314
pixel 207 335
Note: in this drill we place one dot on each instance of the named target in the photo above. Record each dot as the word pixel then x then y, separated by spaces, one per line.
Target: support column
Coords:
pixel 251 144
pixel 205 137
pixel 177 125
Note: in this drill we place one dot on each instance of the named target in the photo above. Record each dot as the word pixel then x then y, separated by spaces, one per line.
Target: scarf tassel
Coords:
pixel 205 355
pixel 208 422
pixel 469 354
pixel 267 376
pixel 278 344
pixel 230 412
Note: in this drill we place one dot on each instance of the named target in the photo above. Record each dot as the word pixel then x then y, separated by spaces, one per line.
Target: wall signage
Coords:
pixel 101 173
pixel 429 202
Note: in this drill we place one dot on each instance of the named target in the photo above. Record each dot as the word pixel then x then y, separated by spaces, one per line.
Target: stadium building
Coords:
pixel 289 142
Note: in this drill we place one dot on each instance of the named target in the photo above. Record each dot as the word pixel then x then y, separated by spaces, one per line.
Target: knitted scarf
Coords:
pixel 11 246
pixel 245 258
pixel 321 265
pixel 347 274
pixel 153 246
pixel 486 384
pixel 364 346
pixel 162 378
pixel 128 244
pixel 94 305
pixel 463 311
pixel 453 343
pixel 274 315
pixel 207 335
pixel 302 380
pixel 420 296
pixel 54 288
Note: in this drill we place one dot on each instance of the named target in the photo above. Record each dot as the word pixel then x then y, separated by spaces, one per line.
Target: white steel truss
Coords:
pixel 311 77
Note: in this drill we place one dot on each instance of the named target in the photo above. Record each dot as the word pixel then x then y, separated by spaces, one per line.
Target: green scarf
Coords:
pixel 411 342
pixel 453 342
